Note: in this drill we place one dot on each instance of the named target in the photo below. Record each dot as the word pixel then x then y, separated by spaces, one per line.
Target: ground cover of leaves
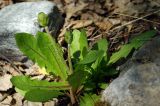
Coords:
pixel 99 22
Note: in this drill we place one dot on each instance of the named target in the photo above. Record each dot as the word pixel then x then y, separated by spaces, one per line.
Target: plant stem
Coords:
pixel 79 89
pixel 72 96
pixel 47 30
pixel 69 60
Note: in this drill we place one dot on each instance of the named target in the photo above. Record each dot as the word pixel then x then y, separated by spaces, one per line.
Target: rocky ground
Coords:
pixel 117 21
pixel 139 83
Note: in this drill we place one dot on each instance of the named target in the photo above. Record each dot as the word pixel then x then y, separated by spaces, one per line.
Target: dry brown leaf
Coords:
pixel 4 3
pixel 5 82
pixel 51 103
pixel 2 63
pixel 96 7
pixel 115 21
pixel 87 16
pixel 61 35
pixel 1 97
pixel 26 0
pixel 10 69
pixel 6 102
pixel 67 1
pixel 129 27
pixel 91 16
pixel 104 25
pixel 81 23
pixel 73 24
pixel 28 103
pixel 18 99
pixel 90 30
pixel 35 70
pixel 71 9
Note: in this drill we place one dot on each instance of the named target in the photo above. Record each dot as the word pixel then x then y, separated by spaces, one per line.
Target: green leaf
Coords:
pixel 47 53
pixel 79 44
pixel 97 63
pixel 103 85
pixel 37 90
pixel 68 37
pixel 83 67
pixel 43 19
pixel 89 85
pixel 110 71
pixel 101 45
pixel 89 99
pixel 91 57
pixel 135 43
pixel 142 38
pixel 25 83
pixel 39 95
pixel 54 55
pixel 123 52
pixel 22 92
pixel 77 78
pixel 27 43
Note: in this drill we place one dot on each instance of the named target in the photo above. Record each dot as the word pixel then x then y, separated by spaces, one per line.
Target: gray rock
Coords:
pixel 139 83
pixel 22 17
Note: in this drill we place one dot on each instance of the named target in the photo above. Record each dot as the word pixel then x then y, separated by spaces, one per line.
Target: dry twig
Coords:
pixel 130 22
pixel 137 18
